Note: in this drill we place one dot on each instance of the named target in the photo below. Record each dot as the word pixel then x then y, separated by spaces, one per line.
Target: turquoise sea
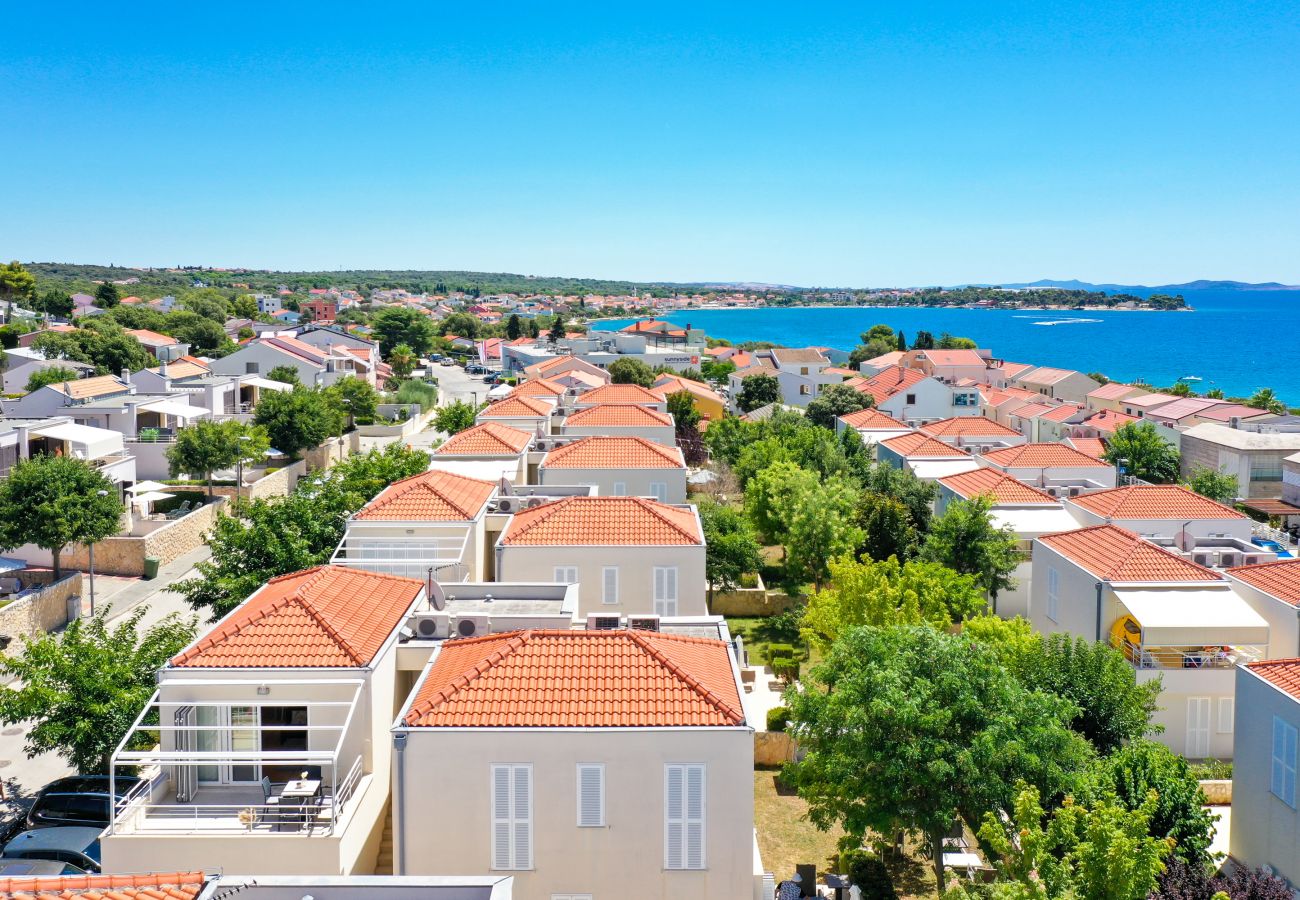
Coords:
pixel 1238 341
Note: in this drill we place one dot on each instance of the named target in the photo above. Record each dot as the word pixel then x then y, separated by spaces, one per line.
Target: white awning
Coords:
pixel 177 409
pixel 152 497
pixel 267 384
pixel 1032 521
pixel 934 469
pixel 484 469
pixel 1193 616
pixel 144 486
pixel 97 441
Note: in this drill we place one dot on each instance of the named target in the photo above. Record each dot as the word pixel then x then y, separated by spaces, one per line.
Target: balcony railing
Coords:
pixel 1184 657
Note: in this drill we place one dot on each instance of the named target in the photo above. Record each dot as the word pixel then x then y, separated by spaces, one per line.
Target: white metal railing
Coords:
pixel 1259 529
pixel 1143 657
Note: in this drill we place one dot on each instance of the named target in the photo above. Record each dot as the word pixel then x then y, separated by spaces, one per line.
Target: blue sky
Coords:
pixel 874 144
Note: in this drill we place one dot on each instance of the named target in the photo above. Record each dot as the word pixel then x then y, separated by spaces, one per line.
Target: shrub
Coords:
pixel 778 650
pixel 777 718
pixel 418 392
pixel 868 873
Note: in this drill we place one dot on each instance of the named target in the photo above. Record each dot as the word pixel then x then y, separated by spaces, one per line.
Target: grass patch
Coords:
pixel 785 836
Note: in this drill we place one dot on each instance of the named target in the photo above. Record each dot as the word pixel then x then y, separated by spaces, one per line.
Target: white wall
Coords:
pixel 1265 830
pixel 1283 619
pixel 660 434
pixel 934 401
pixel 635 482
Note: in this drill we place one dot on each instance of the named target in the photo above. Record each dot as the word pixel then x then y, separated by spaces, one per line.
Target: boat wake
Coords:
pixel 1067 321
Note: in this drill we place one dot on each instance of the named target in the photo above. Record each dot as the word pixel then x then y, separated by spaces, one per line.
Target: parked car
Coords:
pixel 447 361
pixel 77 800
pixel 32 868
pixel 78 845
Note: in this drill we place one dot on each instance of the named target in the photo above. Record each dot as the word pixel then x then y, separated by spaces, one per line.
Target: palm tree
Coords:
pixel 1264 398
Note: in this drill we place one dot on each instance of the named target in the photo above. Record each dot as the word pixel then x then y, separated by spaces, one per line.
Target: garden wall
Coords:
pixel 751 602
pixel 278 484
pixel 38 613
pixel 1218 791
pixel 126 555
pixel 773 748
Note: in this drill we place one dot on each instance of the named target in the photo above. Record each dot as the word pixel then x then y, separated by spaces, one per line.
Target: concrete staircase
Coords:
pixel 384 862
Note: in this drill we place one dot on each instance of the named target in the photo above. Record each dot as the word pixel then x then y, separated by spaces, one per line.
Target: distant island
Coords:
pixel 1202 285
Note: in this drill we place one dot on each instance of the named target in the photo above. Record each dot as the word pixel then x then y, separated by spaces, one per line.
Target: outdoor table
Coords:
pixel 300 793
pixel 967 861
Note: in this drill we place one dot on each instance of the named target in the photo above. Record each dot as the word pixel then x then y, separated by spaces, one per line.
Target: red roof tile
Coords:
pixel 1114 390
pixel 1061 413
pixel 618 415
pixel 1041 456
pixel 486 439
pixel 1283 674
pixel 1031 410
pixel 888 382
pixel 917 444
pixel 1108 420
pixel 1115 554
pixel 667 385
pixel 329 616
pixel 1005 490
pixel 603 522
pixel 171 886
pixel 436 496
pixel 1094 447
pixel 538 387
pixel 1281 579
pixel 620 393
pixel 968 426
pixel 1153 501
pixel 953 357
pixel 601 452
pixel 517 407
pixel 1045 375
pixel 872 419
pixel 579 679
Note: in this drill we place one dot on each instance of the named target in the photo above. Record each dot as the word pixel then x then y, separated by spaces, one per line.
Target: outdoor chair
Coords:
pixel 269 799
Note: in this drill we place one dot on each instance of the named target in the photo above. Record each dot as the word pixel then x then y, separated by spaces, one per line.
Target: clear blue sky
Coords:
pixel 877 144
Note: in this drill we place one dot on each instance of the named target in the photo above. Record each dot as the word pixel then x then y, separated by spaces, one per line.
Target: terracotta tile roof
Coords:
pixel 758 367
pixel 1115 554
pixel 599 452
pixel 888 382
pixel 151 338
pixel 795 355
pixel 184 367
pixel 1280 579
pixel 1061 413
pixel 85 388
pixel 436 496
pixel 1005 490
pixel 577 377
pixel 171 886
pixel 968 426
pixel 1046 375
pixel 603 522
pixel 1226 411
pixel 618 415
pixel 1013 369
pixel 668 385
pixel 579 679
pixel 917 444
pixel 953 357
pixel 1108 420
pixel 329 616
pixel 840 370
pixel 538 387
pixel 513 407
pixel 1186 406
pixel 297 348
pixel 1031 410
pixel 1114 390
pixel 486 439
pixel 892 358
pixel 1154 501
pixel 564 363
pixel 1148 401
pixel 1283 674
pixel 620 393
pixel 869 418
pixel 1039 456
pixel 1094 447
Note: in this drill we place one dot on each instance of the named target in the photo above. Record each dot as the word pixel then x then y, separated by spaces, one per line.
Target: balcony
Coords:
pixel 1207 657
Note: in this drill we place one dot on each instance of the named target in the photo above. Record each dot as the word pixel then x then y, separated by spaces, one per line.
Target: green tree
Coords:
pixel 965 540
pixel 758 390
pixel 82 688
pixel 455 417
pixel 837 400
pixel 53 501
pixel 355 400
pixel 900 344
pixel 887 528
pixel 297 420
pixel 402 360
pixel 395 325
pixel 1264 398
pixel 363 475
pixel 209 303
pixel 1141 451
pixel 1215 484
pixel 731 548
pixel 728 437
pixel 888 593
pixel 285 375
pixel 107 295
pixel 514 328
pixel 17 285
pixel 630 370
pixel 205 337
pixel 716 372
pixel 50 375
pixel 948 342
pixel 924 341
pixel 917 495
pixel 870 350
pixel 760 455
pixel 910 727
pixel 55 302
pixel 460 324
pixel 206 446
pixel 820 528
pixel 557 329
pixel 1098 852
pixel 681 406
pixel 770 498
pixel 244 306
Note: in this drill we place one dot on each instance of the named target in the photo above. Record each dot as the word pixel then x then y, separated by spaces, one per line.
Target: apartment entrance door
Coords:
pixel 234 730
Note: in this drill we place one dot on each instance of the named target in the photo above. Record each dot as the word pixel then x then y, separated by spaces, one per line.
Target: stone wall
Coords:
pixel 278 484
pixel 1218 791
pixel 753 602
pixel 126 555
pixel 38 613
pixel 773 748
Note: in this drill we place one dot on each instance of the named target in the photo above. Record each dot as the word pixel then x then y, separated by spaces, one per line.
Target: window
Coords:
pixel 591 795
pixel 805 389
pixel 1282 780
pixel 683 816
pixel 911 399
pixel 512 816
pixel 610 581
pixel 1226 710
pixel 1198 728
pixel 1053 596
pixel 964 399
pixel 620 489
pixel 665 590
pixel 803 370
pixel 659 490
pixel 251 368
pixel 566 574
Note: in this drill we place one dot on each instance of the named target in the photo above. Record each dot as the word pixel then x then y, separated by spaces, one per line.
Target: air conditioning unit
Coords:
pixel 1203 558
pixel 533 502
pixel 506 504
pixel 598 622
pixel 1229 558
pixel 1075 491
pixel 1253 559
pixel 1052 490
pixel 469 626
pixel 430 626
pixel 643 623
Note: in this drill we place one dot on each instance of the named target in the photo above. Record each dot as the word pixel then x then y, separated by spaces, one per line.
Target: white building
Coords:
pixel 1055 468
pixel 621 420
pixel 1273 591
pixel 973 433
pixel 914 398
pixel 487 451
pixel 531 414
pixel 872 426
pixel 617 467
pixel 925 457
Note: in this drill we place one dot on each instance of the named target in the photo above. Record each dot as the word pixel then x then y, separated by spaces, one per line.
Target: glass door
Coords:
pixel 234 729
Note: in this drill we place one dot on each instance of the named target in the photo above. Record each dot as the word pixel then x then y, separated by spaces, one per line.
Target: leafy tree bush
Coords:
pixel 17 285
pixel 820 528
pixel 837 400
pixel 758 390
pixel 107 295
pixel 1183 881
pixel 53 501
pixel 354 400
pixel 1139 448
pixel 1215 484
pixel 777 718
pixel 395 325
pixel 418 392
pixel 284 374
pixel 629 370
pixel 402 360
pixel 297 420
pixel 50 375
pixel 887 528
pixel 455 417
pixel 731 548
pixel 965 540
pixel 207 445
pixel 868 873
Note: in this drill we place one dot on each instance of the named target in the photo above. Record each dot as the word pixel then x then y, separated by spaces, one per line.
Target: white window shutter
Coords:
pixel 523 817
pixel 674 816
pixel 591 795
pixel 620 489
pixel 611 584
pixel 695 817
pixel 1279 748
pixel 501 856
pixel 659 490
pixel 665 590
pixel 1226 713
pixel 512 818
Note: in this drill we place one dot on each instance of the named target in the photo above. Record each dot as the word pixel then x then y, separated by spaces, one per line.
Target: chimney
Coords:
pixel 126 375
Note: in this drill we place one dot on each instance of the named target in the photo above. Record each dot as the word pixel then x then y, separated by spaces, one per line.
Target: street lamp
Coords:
pixel 348 403
pixel 100 493
pixel 239 475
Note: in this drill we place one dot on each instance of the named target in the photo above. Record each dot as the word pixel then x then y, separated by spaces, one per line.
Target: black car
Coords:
pixel 77 800
pixel 32 868
pixel 77 846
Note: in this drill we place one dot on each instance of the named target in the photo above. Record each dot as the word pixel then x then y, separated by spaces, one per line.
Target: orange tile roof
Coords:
pixel 486 439
pixel 85 388
pixel 1046 375
pixel 1118 555
pixel 672 384
pixel 870 418
pixel 1154 501
pixel 1108 420
pixel 436 496
pixel 579 679
pixel 968 426
pixel 1061 413
pixel 184 367
pixel 538 387
pixel 1040 456
pixel 618 415
pixel 620 393
pixel 1147 401
pixel 1281 578
pixel 953 357
pixel 917 444
pixel 1012 369
pixel 888 382
pixel 892 358
pixel 151 338
pixel 1005 490
pixel 599 452
pixel 1113 390
pixel 1031 410
pixel 1094 447
pixel 170 886
pixel 1283 674
pixel 513 407
pixel 603 522
pixel 329 616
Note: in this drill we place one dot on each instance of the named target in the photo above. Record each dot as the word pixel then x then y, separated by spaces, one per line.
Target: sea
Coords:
pixel 1237 341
